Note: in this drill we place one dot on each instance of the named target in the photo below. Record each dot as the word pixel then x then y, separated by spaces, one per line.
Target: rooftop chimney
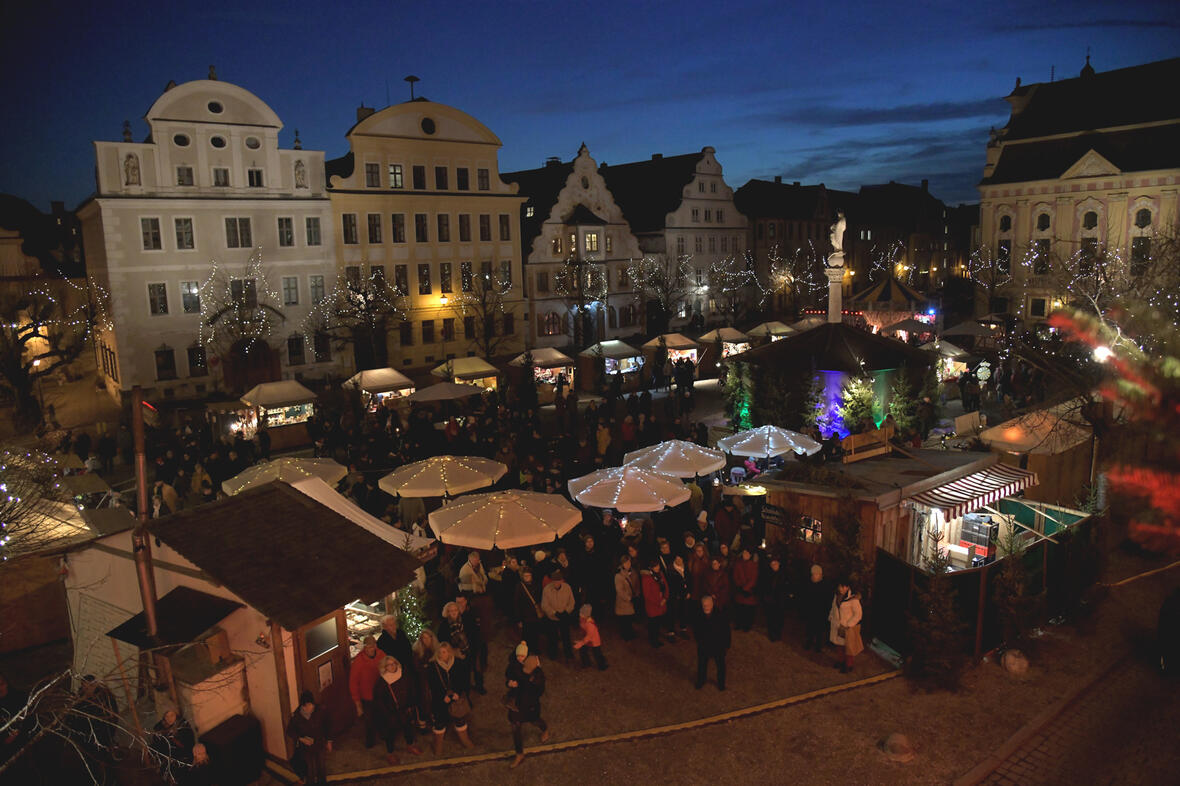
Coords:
pixel 656 156
pixel 925 185
pixel 796 184
pixel 553 161
pixel 778 178
pixel 363 111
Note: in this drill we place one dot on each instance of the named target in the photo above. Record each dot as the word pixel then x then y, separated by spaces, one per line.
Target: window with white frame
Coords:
pixel 254 178
pixel 286 231
pixel 290 290
pixel 165 363
pixel 243 292
pixel 150 230
pixel 591 241
pixel 237 233
pixel 184 175
pixel 348 229
pixel 221 177
pixel 313 230
pixel 158 299
pixel 184 234
pixel 373 221
pixel 295 353
pixel 462 178
pixel 372 176
pixel 190 297
pixel 315 288
pixel 396 176
pixel 696 215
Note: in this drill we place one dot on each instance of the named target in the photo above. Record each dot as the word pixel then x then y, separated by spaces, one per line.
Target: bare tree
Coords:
pixel 238 304
pixel 664 281
pixel 485 302
pixel 42 331
pixel 990 271
pixel 358 312
pixel 35 511
pixel 795 278
pixel 734 286
pixel 584 284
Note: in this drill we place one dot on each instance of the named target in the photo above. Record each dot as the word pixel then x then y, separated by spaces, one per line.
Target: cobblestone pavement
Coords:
pixel 1125 729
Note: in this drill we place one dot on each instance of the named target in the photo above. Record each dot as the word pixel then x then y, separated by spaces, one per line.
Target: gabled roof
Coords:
pixel 889 294
pixel 542 187
pixel 836 347
pixel 647 191
pixel 1126 96
pixel 1133 150
pixel 290 557
pixel 583 216
pixel 764 199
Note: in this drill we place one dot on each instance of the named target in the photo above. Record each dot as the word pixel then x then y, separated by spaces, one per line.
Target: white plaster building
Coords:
pixel 209 188
pixel 572 225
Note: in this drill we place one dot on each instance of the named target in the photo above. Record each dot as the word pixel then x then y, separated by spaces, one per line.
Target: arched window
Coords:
pixel 1043 221
pixel 1143 218
pixel 1090 220
pixel 552 324
pixel 1005 223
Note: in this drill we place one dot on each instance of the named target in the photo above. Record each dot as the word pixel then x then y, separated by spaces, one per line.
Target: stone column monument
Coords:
pixel 834 269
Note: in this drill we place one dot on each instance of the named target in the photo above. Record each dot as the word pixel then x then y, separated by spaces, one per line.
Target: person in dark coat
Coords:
pixel 712 634
pixel 449 680
pixel 816 604
pixel 309 728
pixel 393 641
pixel 526 608
pixel 173 740
pixel 526 684
pixel 717 582
pixel 394 699
pixel 461 631
pixel 775 591
pixel 745 589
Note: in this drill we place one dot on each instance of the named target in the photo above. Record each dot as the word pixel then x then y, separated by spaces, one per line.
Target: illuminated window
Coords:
pixel 396 176
pixel 591 241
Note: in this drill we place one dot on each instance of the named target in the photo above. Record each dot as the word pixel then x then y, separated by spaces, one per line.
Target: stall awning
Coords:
pixel 976 490
pixel 278 394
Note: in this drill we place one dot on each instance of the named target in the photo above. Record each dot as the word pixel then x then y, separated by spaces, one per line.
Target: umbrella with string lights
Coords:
pixel 767 441
pixel 442 476
pixel 677 457
pixel 628 489
pixel 289 470
pixel 504 519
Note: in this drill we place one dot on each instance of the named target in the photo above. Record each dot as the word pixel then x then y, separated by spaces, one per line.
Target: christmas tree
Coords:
pixel 410 615
pixel 938 654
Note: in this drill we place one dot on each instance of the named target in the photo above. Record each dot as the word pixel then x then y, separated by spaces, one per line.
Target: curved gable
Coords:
pixel 405 121
pixel 190 102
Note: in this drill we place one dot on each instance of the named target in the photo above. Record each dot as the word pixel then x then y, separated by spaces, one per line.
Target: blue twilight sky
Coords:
pixel 845 93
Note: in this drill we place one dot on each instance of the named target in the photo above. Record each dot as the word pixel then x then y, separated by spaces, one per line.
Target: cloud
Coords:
pixel 1137 24
pixel 828 116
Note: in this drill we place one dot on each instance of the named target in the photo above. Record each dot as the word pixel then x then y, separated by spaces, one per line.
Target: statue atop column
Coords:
pixel 836 237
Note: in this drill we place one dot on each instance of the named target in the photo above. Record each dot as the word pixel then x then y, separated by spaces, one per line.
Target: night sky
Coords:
pixel 847 94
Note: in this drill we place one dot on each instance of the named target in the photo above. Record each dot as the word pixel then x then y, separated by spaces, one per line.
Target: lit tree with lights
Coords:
pixel 238 304
pixel 583 284
pixel 665 280
pixel 357 312
pixel 42 331
pixel 990 272
pixel 734 286
pixel 34 508
pixel 798 275
pixel 889 261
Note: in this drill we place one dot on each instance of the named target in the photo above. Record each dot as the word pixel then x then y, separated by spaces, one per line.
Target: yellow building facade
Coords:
pixel 423 219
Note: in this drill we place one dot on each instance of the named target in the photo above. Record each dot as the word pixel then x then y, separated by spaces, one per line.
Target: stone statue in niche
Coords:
pixel 300 174
pixel 131 170
pixel 836 237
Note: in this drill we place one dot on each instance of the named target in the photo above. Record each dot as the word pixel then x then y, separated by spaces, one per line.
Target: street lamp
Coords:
pixel 40 392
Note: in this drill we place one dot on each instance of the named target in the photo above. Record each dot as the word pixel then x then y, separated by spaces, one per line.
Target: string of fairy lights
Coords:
pixel 30 489
pixel 402 479
pixel 238 304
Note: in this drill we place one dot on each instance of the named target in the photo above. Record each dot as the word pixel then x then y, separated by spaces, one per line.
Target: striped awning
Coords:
pixel 976 490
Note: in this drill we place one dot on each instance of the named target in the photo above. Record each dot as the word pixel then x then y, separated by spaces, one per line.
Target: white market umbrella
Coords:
pixel 289 470
pixel 445 391
pixel 628 489
pixel 767 441
pixel 677 457
pixel 807 323
pixel 440 476
pixel 504 519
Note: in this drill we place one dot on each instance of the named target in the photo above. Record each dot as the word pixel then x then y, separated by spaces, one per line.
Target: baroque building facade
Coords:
pixel 213 243
pixel 577 248
pixel 1086 168
pixel 422 213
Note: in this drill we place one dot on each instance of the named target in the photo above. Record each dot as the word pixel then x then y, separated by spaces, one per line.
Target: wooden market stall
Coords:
pixel 678 345
pixel 549 365
pixel 283 408
pixel 731 342
pixel 767 332
pixel 377 385
pixel 472 371
pixel 597 364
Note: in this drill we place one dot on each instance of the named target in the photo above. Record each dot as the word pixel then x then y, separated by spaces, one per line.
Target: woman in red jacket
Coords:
pixel 655 601
pixel 745 586
pixel 717 583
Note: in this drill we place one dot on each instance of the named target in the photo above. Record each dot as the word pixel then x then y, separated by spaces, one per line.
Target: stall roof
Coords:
pixel 1043 431
pixel 289 555
pixel 278 394
pixel 466 368
pixel 87 483
pixel 837 347
pixel 379 380
pixel 726 334
pixel 972 492
pixel 771 329
pixel 544 357
pixel 108 521
pixel 616 350
pixel 673 341
pixel 184 614
pixel 445 391
pixel 946 349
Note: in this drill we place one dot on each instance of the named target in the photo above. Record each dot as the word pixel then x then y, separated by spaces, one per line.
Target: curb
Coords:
pixel 555 747
pixel 994 760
